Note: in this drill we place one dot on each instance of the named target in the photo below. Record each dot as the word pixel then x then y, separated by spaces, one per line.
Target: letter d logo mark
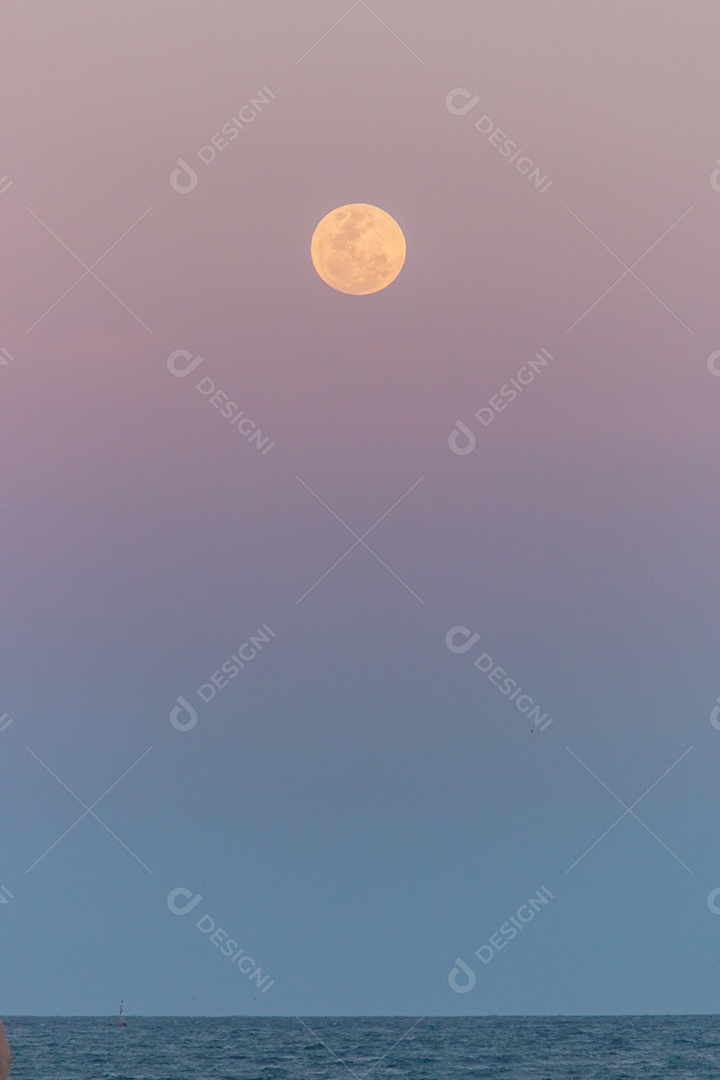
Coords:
pixel 461 988
pixel 182 354
pixel 470 101
pixel 715 716
pixel 182 909
pixel 183 179
pixel 715 178
pixel 468 643
pixel 183 706
pixel 464 431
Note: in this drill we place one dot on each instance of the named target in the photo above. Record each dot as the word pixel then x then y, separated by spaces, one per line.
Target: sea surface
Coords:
pixel 337 1048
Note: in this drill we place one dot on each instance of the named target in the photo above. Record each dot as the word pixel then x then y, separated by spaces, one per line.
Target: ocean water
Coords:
pixel 336 1048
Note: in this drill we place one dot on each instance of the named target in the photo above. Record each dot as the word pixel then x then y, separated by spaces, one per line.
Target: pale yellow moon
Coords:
pixel 358 249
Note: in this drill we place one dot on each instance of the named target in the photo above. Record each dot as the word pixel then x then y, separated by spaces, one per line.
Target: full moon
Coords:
pixel 358 249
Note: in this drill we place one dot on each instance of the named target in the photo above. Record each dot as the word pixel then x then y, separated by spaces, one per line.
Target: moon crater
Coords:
pixel 358 249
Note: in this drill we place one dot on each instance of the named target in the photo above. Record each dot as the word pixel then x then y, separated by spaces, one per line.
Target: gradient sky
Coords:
pixel 360 806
